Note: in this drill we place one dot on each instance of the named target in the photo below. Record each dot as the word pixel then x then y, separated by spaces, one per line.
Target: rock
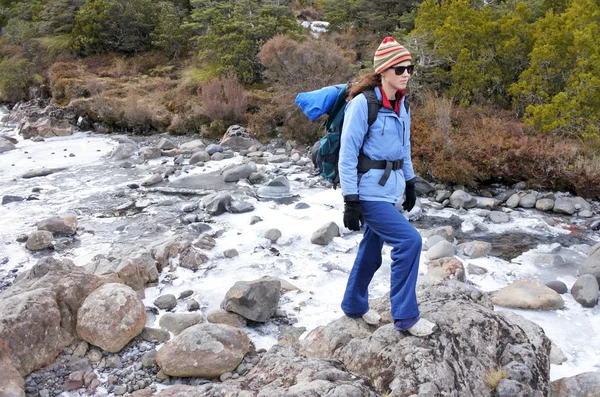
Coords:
pixel 6 146
pixel 544 204
pixel 241 207
pixel 11 199
pixel 255 300
pixel 445 269
pixel 586 384
pixel 110 317
pixel 39 240
pixel 278 158
pixel 192 305
pixel 462 199
pixel 153 180
pixel 325 234
pixel 149 153
pixel 564 206
pixel 547 259
pixel 447 232
pixel 37 314
pixel 486 203
pixel 212 149
pixel 41 172
pixel 169 249
pixel 257 178
pixel 199 157
pixel 585 290
pixel 165 144
pixel 272 235
pixel 227 318
pixel 422 187
pixel 155 335
pixel 149 358
pixel 528 294
pixel 499 217
pixel 465 318
pixel 442 195
pixel 585 214
pixel 431 241
pixel 166 302
pixel 238 172
pixel 135 272
pixel 474 249
pixel 513 201
pixel 123 151
pixel 289 335
pixel 440 250
pixel 557 356
pixel 191 145
pixel 476 270
pixel 277 188
pixel 237 140
pixel 528 200
pixel 217 203
pixel 177 322
pixel 592 264
pixel 192 258
pixel 230 253
pixel 205 350
pixel 59 226
pixel 558 286
pixel 255 219
pixel 12 384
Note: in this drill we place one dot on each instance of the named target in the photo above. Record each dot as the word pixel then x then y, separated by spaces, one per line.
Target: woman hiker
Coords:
pixel 375 170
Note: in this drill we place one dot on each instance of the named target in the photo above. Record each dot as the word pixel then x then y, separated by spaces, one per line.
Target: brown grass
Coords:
pixel 494 376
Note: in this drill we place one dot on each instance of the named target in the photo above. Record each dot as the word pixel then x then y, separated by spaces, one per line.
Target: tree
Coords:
pixel 115 25
pixel 560 91
pixel 231 33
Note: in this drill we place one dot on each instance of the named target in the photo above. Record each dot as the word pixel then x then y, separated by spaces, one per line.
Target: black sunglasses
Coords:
pixel 400 69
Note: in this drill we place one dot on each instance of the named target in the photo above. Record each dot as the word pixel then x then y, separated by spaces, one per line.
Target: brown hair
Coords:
pixel 367 82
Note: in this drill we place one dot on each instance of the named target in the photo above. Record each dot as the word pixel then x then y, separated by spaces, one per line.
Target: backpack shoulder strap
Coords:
pixel 373 106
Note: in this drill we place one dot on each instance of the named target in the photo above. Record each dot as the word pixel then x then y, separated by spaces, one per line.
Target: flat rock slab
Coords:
pixel 42 172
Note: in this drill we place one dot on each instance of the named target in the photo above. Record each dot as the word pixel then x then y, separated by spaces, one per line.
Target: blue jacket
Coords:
pixel 389 139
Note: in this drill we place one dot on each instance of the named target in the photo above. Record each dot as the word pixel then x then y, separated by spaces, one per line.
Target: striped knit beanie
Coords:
pixel 389 53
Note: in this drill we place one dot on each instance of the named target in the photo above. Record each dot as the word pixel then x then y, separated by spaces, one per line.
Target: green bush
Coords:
pixel 16 76
pixel 115 25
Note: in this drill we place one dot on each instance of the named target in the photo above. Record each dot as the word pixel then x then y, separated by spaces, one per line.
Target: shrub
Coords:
pixel 16 76
pixel 483 148
pixel 224 99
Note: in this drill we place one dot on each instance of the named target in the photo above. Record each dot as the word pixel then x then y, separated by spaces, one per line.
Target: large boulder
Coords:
pixel 38 313
pixel 111 316
pixel 12 383
pixel 586 384
pixel 205 350
pixel 528 294
pixel 135 272
pixel 592 264
pixel 282 371
pixel 453 361
pixel 255 300
pixel 30 325
pixel 59 226
pixel 585 290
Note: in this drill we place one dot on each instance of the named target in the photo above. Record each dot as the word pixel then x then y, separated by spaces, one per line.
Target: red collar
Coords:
pixel 386 102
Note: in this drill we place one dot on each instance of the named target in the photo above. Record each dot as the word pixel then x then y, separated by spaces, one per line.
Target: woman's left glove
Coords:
pixel 411 195
pixel 353 216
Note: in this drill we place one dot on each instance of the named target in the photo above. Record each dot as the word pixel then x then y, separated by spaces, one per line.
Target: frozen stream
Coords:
pixel 116 219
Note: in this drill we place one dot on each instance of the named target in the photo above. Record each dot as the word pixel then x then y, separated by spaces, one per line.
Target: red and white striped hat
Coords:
pixel 389 53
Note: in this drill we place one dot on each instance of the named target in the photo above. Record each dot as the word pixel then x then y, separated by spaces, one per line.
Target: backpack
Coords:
pixel 332 100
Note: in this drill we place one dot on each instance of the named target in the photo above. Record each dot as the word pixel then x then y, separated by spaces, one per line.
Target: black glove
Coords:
pixel 411 195
pixel 353 216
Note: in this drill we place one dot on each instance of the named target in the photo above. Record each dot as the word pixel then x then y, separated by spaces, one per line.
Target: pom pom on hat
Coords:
pixel 389 53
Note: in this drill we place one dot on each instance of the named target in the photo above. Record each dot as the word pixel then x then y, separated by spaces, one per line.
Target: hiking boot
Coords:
pixel 423 328
pixel 371 317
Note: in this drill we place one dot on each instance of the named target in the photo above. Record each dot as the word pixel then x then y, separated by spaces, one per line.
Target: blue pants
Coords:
pixel 384 223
